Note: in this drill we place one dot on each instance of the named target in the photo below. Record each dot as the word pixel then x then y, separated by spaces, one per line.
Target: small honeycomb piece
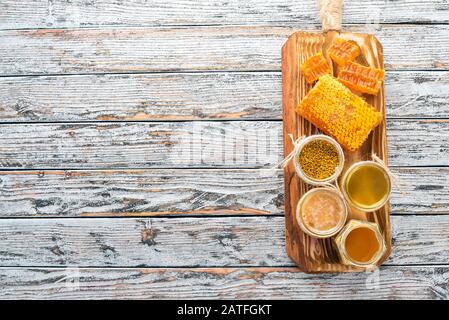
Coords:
pixel 315 67
pixel 361 78
pixel 343 51
pixel 338 112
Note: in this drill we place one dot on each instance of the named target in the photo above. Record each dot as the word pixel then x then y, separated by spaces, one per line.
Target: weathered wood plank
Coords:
pixel 57 14
pixel 112 193
pixel 420 191
pixel 190 242
pixel 141 97
pixel 195 96
pixel 62 51
pixel 227 144
pixel 222 283
pixel 140 193
pixel 417 94
pixel 418 142
pixel 132 145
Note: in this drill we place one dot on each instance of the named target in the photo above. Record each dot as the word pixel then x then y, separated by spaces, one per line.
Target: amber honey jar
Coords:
pixel 321 212
pixel 360 243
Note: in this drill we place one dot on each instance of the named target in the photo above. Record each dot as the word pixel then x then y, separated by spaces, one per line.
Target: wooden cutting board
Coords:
pixel 311 254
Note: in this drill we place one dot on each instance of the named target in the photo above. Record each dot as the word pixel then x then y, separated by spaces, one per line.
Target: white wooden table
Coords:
pixel 136 135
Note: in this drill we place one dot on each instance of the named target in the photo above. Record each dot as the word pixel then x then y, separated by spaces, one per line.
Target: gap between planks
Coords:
pixel 50 122
pixel 199 168
pixel 229 267
pixel 313 26
pixel 180 215
pixel 175 72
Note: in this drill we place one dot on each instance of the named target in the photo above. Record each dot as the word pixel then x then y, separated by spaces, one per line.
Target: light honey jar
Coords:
pixel 366 186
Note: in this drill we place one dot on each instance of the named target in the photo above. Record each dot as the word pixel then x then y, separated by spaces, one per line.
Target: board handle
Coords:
pixel 330 14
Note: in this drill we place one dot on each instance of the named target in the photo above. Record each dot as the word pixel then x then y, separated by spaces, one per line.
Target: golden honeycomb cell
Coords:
pixel 361 78
pixel 315 67
pixel 343 51
pixel 338 112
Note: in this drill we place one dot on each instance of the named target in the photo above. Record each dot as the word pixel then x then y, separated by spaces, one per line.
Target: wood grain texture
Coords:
pixel 156 36
pixel 69 14
pixel 133 145
pixel 194 96
pixel 118 193
pixel 205 144
pixel 140 193
pixel 141 97
pixel 62 51
pixel 221 283
pixel 190 242
pixel 417 94
pixel 310 253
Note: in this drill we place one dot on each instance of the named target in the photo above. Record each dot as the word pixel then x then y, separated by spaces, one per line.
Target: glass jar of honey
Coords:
pixel 366 186
pixel 360 243
pixel 321 212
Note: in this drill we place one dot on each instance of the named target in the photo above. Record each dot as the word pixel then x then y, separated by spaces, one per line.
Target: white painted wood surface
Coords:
pixel 191 242
pixel 191 192
pixel 404 282
pixel 76 13
pixel 99 105
pixel 192 144
pixel 230 48
pixel 192 96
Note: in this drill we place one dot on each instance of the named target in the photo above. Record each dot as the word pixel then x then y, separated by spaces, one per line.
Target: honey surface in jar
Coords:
pixel 361 244
pixel 361 78
pixel 315 67
pixel 343 51
pixel 322 211
pixel 367 186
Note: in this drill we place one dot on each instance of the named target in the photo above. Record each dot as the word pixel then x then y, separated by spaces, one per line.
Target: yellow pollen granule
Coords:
pixel 319 159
